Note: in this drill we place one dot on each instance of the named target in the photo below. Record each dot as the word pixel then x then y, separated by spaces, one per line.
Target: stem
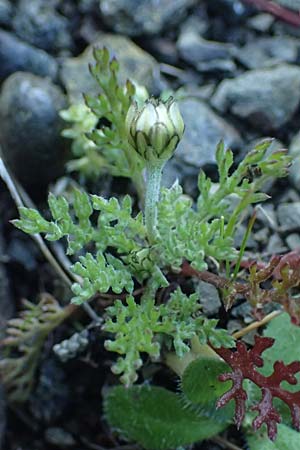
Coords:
pixel 154 172
pixel 255 325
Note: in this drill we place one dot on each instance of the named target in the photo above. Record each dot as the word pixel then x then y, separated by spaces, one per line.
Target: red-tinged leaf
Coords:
pixel 243 363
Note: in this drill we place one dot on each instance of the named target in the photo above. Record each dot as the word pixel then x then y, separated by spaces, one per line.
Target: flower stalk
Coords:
pixel 153 132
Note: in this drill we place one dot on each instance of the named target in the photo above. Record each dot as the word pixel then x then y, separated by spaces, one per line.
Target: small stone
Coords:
pixel 289 216
pixel 38 23
pixel 209 298
pixel 51 397
pixel 16 55
pixel 293 241
pixel 218 66
pixel 267 52
pixel 59 437
pixel 30 133
pixel 267 215
pixel 196 50
pixel 136 64
pixel 137 17
pixel 204 130
pixel 275 245
pixel 261 22
pixel 265 98
pixel 294 171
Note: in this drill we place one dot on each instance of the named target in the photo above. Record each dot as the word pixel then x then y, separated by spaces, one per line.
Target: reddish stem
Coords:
pixel 276 10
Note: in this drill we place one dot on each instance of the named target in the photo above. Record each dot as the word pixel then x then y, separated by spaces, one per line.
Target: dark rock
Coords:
pixel 30 128
pixel 232 10
pixel 38 23
pixel 136 64
pixel 6 13
pixel 49 400
pixel 16 55
pixel 7 308
pixel 2 416
pixel 289 216
pixel 58 437
pixel 266 52
pixel 137 17
pixel 265 98
pixel 204 129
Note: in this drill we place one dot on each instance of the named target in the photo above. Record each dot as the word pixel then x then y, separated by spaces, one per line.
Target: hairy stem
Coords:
pixel 154 172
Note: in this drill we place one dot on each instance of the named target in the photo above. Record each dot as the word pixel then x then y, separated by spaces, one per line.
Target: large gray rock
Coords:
pixel 39 23
pixel 135 64
pixel 136 17
pixel 30 128
pixel 16 55
pixel 265 98
pixel 204 129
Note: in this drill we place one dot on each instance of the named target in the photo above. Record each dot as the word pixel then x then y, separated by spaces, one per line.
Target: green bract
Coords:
pixel 155 129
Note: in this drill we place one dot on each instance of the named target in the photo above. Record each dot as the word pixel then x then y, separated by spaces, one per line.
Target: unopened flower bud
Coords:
pixel 155 129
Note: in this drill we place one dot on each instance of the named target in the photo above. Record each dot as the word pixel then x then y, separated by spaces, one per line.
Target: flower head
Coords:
pixel 155 129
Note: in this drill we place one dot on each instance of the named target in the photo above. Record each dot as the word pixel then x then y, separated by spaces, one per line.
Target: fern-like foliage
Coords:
pixel 115 253
pixel 136 329
pixel 99 138
pixel 22 346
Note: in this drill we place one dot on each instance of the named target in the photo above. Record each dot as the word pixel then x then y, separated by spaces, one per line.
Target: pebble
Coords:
pixel 38 23
pixel 30 134
pixel 294 171
pixel 266 52
pixel 194 49
pixel 293 241
pixel 49 400
pixel 209 298
pixel 138 17
pixel 289 216
pixel 266 98
pixel 59 437
pixel 16 55
pixel 261 22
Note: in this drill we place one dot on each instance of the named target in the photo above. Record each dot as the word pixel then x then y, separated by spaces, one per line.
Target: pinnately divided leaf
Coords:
pixel 243 363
